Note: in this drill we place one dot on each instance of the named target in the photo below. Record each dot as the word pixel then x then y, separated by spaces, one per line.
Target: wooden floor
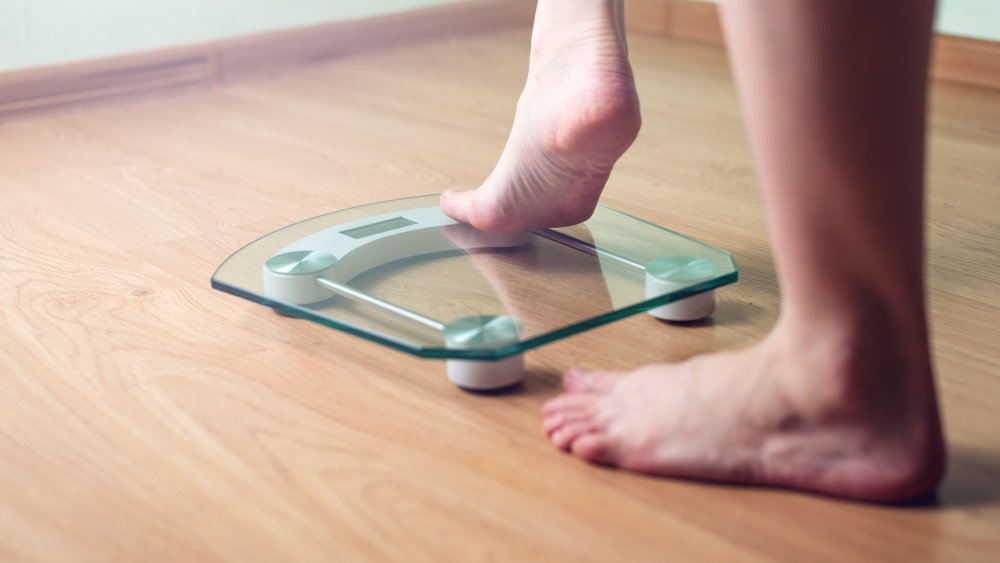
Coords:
pixel 147 417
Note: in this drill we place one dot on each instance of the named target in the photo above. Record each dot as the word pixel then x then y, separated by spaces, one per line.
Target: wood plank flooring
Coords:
pixel 147 417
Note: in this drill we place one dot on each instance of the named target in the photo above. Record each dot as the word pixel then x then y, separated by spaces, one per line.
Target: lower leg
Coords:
pixel 840 397
pixel 834 96
pixel 577 115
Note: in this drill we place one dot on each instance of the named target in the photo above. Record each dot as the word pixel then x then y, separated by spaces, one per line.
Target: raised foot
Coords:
pixel 732 417
pixel 576 117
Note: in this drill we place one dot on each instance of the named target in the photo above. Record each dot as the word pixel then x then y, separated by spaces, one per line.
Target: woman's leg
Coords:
pixel 839 398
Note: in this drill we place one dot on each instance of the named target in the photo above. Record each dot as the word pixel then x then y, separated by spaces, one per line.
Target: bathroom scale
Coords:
pixel 403 274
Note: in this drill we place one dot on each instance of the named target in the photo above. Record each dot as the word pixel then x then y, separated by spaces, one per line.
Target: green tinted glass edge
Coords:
pixel 483 354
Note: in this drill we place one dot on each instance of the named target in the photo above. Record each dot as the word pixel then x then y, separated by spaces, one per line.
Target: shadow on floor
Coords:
pixel 535 383
pixel 973 479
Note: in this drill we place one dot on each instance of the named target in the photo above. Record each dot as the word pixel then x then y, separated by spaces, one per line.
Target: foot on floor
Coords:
pixel 783 413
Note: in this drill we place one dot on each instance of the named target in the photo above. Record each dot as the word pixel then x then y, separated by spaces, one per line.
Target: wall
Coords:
pixel 979 19
pixel 970 18
pixel 44 32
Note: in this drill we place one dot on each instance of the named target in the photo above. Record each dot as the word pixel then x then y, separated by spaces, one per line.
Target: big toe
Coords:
pixel 592 446
pixel 457 205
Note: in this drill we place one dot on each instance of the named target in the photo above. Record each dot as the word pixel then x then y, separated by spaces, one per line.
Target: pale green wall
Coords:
pixel 43 32
pixel 971 18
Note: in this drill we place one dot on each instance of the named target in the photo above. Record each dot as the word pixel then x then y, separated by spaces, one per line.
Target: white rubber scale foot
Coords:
pixel 667 275
pixel 484 331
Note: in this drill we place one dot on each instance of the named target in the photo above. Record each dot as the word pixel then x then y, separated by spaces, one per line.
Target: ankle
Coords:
pixel 871 383
pixel 854 360
pixel 561 25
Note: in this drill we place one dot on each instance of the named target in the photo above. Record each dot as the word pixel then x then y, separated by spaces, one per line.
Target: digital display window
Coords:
pixel 378 228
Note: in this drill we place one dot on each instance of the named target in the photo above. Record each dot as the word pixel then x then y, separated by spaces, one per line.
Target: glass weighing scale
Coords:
pixel 403 274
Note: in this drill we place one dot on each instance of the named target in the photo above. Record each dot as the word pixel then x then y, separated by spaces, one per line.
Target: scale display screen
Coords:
pixel 378 228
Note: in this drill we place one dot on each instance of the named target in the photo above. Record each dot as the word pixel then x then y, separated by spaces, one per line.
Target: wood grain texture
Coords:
pixel 966 61
pixel 648 16
pixel 695 21
pixel 147 417
pixel 955 59
pixel 212 63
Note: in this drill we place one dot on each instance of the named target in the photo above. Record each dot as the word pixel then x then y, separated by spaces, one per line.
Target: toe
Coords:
pixel 553 422
pixel 569 402
pixel 592 446
pixel 457 204
pixel 577 379
pixel 564 437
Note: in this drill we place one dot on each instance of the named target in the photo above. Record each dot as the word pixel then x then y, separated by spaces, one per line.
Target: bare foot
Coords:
pixel 782 413
pixel 577 115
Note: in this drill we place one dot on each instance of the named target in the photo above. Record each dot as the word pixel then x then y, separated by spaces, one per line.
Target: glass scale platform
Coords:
pixel 403 274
